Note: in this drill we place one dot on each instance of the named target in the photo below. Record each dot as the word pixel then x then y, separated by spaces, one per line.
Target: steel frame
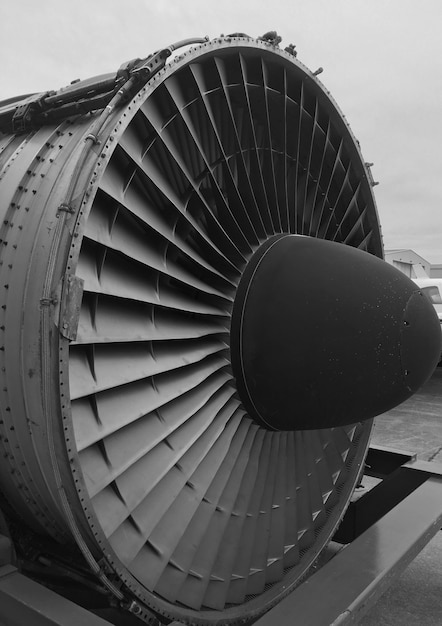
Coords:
pixel 382 532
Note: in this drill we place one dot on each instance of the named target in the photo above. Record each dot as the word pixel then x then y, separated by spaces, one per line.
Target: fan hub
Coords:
pixel 325 335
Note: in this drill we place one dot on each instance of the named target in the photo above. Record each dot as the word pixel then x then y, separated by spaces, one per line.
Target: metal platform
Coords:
pixel 384 528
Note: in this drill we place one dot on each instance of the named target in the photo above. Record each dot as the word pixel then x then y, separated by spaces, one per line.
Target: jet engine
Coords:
pixel 196 324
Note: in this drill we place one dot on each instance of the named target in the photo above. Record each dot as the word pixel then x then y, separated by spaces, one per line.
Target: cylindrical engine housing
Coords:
pixel 125 231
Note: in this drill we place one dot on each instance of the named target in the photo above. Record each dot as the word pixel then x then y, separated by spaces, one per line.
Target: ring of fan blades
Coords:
pixel 129 433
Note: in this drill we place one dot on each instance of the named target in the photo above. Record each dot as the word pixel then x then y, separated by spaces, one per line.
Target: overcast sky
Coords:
pixel 382 62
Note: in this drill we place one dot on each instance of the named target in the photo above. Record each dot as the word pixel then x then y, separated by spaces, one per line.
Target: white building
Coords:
pixel 409 262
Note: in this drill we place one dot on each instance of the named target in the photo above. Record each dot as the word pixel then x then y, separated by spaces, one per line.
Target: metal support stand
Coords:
pixel 384 530
pixel 23 601
pixel 381 533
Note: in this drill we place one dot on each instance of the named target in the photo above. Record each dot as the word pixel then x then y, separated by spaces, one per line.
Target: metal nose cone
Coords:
pixel 419 330
pixel 325 335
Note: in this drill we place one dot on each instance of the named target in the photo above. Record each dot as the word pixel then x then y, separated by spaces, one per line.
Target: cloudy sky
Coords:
pixel 382 62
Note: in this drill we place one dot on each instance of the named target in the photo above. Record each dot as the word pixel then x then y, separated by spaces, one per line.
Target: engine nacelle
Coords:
pixel 196 326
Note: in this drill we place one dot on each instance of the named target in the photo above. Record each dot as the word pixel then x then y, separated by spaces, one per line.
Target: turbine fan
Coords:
pixel 127 237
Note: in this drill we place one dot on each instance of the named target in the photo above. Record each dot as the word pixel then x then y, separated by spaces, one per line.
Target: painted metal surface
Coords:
pixel 327 338
pixel 124 432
